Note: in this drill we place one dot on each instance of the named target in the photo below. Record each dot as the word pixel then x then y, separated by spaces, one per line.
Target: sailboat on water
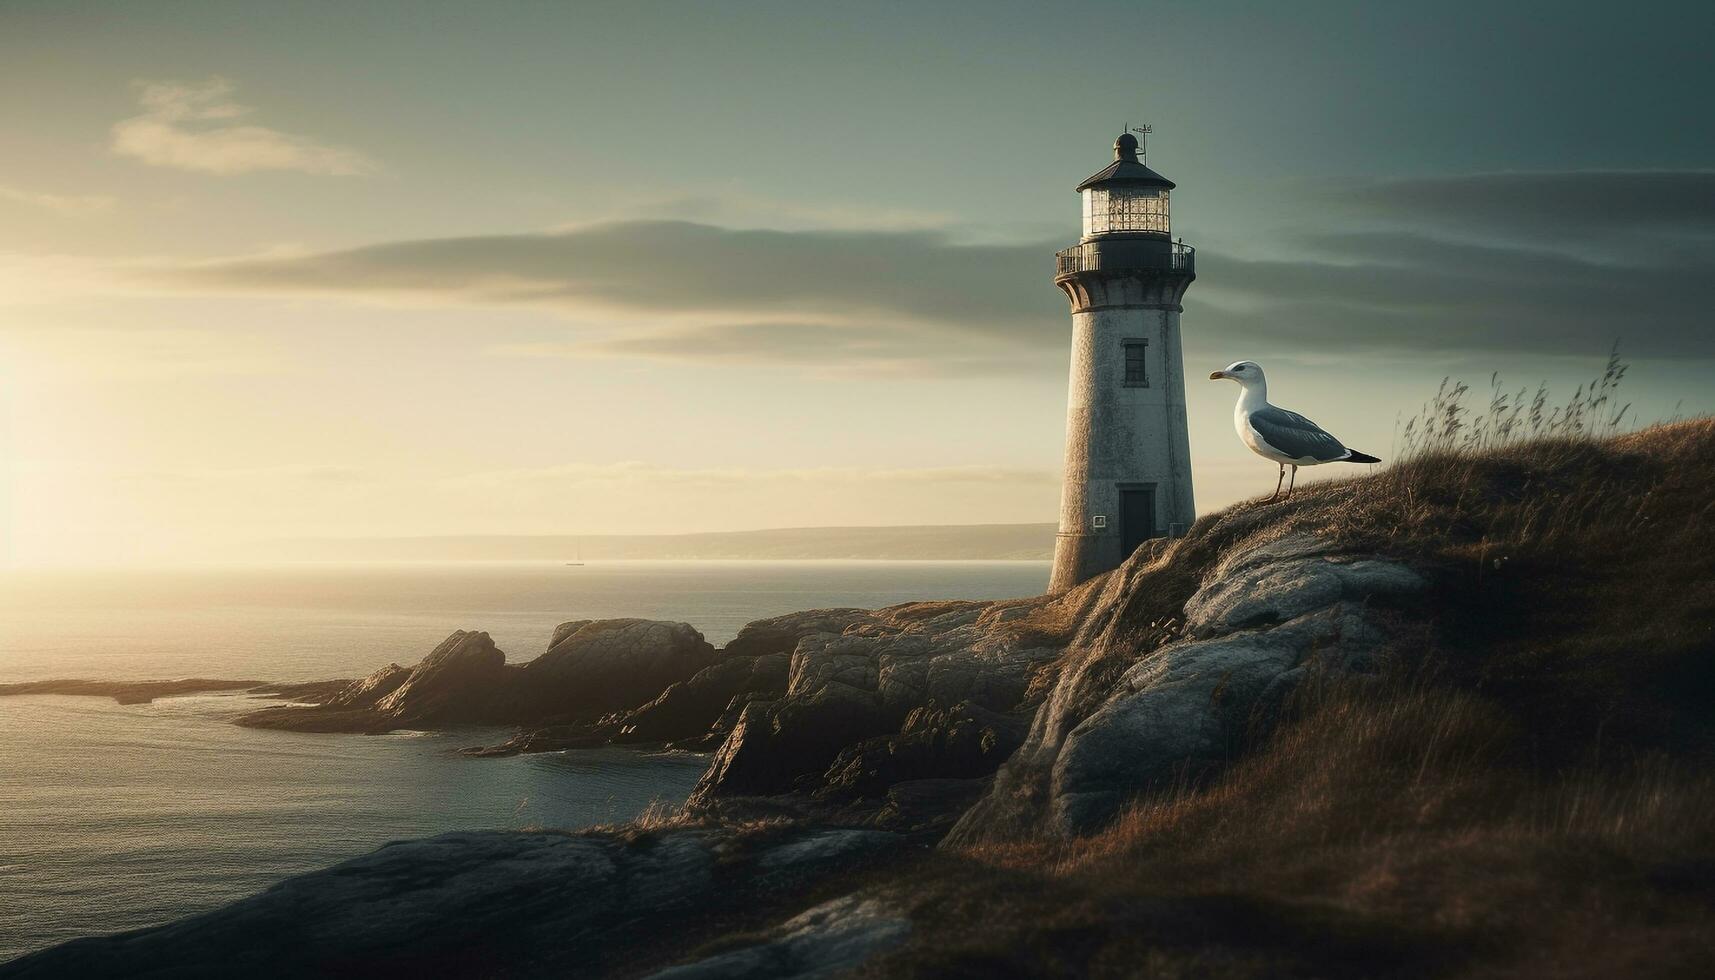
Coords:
pixel 577 554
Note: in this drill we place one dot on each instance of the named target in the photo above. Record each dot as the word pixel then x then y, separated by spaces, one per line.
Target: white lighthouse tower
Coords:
pixel 1128 453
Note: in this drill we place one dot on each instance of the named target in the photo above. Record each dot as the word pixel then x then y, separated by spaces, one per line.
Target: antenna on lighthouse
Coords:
pixel 1142 132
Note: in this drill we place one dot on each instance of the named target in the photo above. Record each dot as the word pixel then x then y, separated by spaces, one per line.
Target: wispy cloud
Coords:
pixel 1568 208
pixel 872 301
pixel 680 268
pixel 72 204
pixel 194 126
pixel 1478 263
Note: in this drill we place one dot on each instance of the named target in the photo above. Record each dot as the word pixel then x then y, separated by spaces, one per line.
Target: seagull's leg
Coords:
pixel 1277 483
pixel 1292 482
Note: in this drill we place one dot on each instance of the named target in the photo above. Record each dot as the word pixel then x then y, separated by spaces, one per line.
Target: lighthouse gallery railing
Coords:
pixel 1089 257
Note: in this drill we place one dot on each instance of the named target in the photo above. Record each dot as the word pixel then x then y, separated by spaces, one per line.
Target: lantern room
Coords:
pixel 1126 198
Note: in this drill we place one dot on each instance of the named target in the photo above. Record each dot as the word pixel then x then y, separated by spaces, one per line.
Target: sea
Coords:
pixel 115 817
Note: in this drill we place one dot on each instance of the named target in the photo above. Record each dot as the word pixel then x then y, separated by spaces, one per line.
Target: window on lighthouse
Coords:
pixel 1136 365
pixel 1120 208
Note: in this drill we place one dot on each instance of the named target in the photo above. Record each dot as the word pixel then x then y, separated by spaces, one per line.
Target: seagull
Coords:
pixel 1274 433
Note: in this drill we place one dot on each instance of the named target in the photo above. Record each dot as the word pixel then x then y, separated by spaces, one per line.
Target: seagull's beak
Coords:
pixel 1217 375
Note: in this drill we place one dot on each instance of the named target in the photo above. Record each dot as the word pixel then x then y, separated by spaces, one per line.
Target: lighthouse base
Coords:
pixel 1082 556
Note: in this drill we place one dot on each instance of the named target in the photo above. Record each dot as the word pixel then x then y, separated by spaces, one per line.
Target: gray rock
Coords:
pixel 566 629
pixel 486 904
pixel 366 691
pixel 691 710
pixel 440 905
pixel 820 847
pixel 865 681
pixel 1183 711
pixel 780 634
pixel 1288 578
pixel 452 685
pixel 965 741
pixel 1262 620
pixel 594 668
pixel 609 665
pixel 825 940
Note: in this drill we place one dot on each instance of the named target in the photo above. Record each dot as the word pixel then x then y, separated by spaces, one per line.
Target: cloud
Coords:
pixel 738 208
pixel 193 126
pixel 902 301
pixel 1558 263
pixel 71 204
pixel 1564 208
pixel 678 268
pixel 1457 264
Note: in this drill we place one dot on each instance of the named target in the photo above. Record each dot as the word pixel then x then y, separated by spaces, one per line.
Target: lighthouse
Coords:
pixel 1128 452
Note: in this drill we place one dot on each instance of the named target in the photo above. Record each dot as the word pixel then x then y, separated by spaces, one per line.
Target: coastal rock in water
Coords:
pixel 1261 620
pixel 594 668
pixel 454 684
pixel 365 692
pixel 484 904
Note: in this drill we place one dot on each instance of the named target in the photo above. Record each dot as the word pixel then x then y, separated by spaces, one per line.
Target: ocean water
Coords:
pixel 116 816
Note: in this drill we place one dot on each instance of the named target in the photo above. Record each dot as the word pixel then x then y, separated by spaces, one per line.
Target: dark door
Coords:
pixel 1137 516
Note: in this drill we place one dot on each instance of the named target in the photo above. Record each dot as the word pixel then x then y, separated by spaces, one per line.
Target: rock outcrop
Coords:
pixel 457 683
pixel 844 690
pixel 508 904
pixel 829 938
pixel 592 669
pixel 965 741
pixel 1264 618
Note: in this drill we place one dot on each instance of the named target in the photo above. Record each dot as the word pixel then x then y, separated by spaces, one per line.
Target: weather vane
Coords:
pixel 1142 132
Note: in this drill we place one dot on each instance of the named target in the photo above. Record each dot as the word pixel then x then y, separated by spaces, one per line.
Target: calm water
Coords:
pixel 114 817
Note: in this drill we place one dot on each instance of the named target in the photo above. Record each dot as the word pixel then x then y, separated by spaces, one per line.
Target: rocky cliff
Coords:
pixel 1385 728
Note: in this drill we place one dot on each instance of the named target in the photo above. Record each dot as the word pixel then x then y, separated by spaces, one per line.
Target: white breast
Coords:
pixel 1253 439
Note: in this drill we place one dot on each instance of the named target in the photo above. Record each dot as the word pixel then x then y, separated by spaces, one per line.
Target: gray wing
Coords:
pixel 1295 435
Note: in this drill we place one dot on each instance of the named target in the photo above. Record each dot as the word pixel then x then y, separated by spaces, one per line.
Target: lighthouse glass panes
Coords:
pixel 1120 208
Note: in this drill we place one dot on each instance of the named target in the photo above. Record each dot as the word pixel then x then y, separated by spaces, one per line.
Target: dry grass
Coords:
pixel 1390 830
pixel 1526 792
pixel 1446 423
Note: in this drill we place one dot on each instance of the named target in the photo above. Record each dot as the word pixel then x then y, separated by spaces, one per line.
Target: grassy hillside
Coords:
pixel 1526 789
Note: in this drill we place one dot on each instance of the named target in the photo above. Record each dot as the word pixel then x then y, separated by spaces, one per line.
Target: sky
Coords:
pixel 413 268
